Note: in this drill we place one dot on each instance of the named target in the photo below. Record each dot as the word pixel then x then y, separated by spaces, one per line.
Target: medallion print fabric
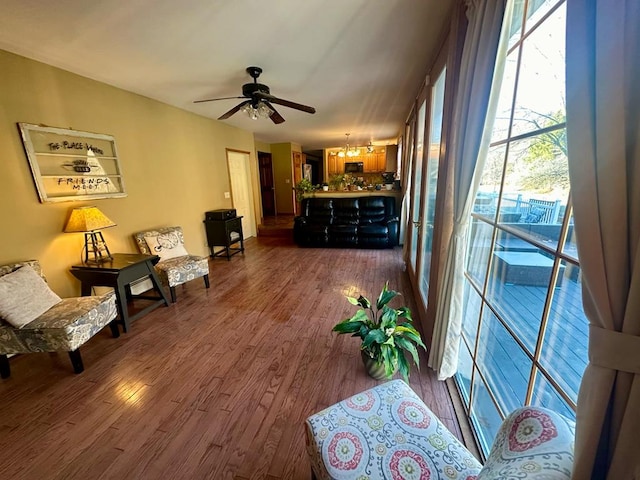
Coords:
pixel 345 451
pixel 530 429
pixel 385 433
pixel 532 443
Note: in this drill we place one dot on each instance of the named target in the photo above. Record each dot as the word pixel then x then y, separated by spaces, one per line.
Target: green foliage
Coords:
pixel 336 181
pixel 302 187
pixel 386 333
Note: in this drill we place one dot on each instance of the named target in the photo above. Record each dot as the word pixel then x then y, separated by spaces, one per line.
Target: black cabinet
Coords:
pixel 226 234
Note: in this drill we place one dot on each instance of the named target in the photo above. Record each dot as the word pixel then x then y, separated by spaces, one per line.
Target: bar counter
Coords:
pixel 356 193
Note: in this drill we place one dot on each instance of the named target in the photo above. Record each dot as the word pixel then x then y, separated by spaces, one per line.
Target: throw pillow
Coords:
pixel 166 245
pixel 24 296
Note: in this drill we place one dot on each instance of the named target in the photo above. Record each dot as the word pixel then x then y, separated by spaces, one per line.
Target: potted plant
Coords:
pixel 336 181
pixel 386 334
pixel 302 187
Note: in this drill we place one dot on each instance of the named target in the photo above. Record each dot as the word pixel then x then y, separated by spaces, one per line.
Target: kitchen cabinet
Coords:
pixel 335 165
pixel 376 162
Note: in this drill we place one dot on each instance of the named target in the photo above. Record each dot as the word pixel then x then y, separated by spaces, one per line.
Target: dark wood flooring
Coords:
pixel 216 386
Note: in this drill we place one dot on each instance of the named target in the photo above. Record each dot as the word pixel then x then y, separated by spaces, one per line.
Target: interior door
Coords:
pixel 267 191
pixel 238 163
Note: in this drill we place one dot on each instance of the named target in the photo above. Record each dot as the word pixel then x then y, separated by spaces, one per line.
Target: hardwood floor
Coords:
pixel 215 386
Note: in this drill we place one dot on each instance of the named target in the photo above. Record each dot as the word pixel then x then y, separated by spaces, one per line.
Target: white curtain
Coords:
pixel 481 72
pixel 603 134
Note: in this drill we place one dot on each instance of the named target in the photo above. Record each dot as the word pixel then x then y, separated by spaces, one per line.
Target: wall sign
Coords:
pixel 71 165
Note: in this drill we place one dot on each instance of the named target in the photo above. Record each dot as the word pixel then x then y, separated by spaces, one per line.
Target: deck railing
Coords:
pixel 537 210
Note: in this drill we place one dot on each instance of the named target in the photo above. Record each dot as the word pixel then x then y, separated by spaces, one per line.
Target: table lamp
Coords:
pixel 89 220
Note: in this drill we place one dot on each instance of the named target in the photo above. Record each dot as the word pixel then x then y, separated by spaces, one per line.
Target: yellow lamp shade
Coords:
pixel 87 219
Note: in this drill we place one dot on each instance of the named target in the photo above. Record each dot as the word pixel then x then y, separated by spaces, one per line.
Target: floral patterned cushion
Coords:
pixel 388 433
pixel 173 271
pixel 176 271
pixel 385 432
pixel 12 267
pixel 532 443
pixel 65 326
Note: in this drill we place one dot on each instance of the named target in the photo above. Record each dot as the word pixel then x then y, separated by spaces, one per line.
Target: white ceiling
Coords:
pixel 360 63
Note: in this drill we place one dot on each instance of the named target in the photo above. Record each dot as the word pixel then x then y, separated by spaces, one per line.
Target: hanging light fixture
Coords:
pixel 370 147
pixel 259 110
pixel 347 151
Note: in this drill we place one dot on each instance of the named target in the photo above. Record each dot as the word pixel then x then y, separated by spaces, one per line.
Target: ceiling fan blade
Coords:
pixel 285 103
pixel 214 99
pixel 275 116
pixel 234 110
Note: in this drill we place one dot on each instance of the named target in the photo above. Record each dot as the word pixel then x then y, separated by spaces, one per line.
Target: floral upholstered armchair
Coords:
pixel 387 432
pixel 176 266
pixel 35 319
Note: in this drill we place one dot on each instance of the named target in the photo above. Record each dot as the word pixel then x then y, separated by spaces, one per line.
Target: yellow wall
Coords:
pixel 263 147
pixel 283 176
pixel 173 162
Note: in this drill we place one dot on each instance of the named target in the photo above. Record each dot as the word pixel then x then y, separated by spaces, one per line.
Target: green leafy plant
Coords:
pixel 386 332
pixel 302 187
pixel 336 181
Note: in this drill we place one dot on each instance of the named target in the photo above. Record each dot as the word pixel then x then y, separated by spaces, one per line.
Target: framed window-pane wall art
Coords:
pixel 72 165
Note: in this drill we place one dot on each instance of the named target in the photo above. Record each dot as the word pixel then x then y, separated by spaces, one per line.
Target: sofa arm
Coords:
pixel 393 224
pixel 300 221
pixel 532 442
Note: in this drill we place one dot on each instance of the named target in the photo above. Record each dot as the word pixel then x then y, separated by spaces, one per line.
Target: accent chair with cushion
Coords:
pixel 387 432
pixel 176 266
pixel 34 319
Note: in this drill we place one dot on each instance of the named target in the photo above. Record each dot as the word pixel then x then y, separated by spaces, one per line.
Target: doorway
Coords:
pixel 267 191
pixel 238 163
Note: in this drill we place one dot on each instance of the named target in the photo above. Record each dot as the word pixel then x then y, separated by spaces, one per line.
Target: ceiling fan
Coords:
pixel 259 100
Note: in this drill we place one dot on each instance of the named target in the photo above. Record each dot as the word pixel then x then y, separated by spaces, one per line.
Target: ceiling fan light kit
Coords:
pixel 261 110
pixel 259 101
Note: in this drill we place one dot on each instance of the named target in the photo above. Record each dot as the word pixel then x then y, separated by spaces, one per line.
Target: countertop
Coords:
pixel 356 193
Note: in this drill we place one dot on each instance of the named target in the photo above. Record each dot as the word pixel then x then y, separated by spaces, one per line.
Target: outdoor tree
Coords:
pixel 545 159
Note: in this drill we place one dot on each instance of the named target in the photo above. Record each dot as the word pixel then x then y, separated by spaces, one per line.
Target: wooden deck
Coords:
pixel 215 386
pixel 564 353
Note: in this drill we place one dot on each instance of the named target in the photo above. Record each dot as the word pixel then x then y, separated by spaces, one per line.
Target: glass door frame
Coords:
pixel 427 255
pixel 417 168
pixel 422 300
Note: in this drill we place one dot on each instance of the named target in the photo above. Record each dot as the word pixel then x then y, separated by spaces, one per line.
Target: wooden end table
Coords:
pixel 119 273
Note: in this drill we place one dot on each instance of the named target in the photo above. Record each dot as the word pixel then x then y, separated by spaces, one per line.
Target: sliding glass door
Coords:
pixel 415 211
pixel 430 183
pixel 426 162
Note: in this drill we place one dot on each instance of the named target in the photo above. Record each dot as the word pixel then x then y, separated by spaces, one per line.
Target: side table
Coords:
pixel 225 233
pixel 119 273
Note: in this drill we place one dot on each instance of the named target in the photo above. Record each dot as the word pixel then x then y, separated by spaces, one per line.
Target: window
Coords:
pixel 524 336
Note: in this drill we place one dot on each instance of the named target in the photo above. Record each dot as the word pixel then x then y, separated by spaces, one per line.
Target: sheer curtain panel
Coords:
pixel 480 74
